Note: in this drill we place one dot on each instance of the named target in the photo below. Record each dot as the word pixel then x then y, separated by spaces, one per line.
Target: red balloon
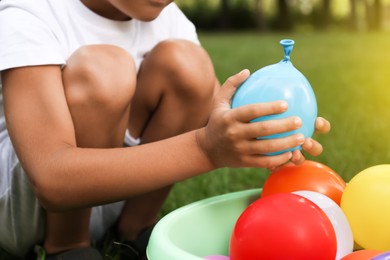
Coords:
pixel 283 226
pixel 310 175
pixel 362 255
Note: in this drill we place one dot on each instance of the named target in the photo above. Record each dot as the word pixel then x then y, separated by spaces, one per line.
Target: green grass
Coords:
pixel 349 73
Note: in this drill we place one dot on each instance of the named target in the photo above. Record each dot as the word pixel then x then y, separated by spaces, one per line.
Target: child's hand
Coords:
pixel 229 139
pixel 310 145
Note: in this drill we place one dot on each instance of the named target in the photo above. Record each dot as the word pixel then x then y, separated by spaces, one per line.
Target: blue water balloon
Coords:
pixel 281 81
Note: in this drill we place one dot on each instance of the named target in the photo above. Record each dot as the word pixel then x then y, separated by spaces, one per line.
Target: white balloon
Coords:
pixel 338 219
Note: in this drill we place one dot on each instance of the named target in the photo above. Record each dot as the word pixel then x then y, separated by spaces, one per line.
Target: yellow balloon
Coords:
pixel 366 204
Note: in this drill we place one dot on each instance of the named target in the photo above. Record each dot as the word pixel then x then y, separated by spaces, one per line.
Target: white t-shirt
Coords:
pixel 38 32
pixel 42 32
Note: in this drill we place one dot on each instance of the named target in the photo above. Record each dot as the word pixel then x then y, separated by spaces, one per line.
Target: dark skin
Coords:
pixel 83 142
pixel 121 10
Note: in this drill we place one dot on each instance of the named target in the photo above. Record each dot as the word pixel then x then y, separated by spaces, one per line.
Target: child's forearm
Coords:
pixel 96 176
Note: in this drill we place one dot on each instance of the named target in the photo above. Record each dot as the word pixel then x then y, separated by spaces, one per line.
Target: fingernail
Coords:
pixel 243 71
pixel 301 138
pixel 297 122
pixel 283 105
pixel 320 123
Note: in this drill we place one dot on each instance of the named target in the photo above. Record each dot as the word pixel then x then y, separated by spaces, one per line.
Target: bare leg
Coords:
pixel 175 88
pixel 98 98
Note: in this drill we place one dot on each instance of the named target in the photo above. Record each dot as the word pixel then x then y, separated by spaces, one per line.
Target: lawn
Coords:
pixel 349 73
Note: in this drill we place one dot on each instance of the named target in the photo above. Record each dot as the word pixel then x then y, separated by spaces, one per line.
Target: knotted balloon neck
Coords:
pixel 287 45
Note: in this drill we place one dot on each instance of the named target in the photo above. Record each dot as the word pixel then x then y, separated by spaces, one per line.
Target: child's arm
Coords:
pixel 65 176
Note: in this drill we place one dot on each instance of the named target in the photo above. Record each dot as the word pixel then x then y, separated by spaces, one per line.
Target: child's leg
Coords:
pixel 67 230
pixel 174 94
pixel 99 82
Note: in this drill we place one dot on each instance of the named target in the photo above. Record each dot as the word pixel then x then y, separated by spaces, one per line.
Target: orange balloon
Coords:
pixel 310 175
pixel 362 255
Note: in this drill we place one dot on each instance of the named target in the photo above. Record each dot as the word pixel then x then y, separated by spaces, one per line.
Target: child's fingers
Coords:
pixel 297 157
pixel 270 162
pixel 266 146
pixel 249 112
pixel 322 125
pixel 270 127
pixel 312 147
pixel 231 84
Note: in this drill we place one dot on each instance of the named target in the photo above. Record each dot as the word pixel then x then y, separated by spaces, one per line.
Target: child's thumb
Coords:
pixel 231 84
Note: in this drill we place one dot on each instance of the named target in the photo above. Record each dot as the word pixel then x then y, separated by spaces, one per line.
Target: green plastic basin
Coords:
pixel 199 229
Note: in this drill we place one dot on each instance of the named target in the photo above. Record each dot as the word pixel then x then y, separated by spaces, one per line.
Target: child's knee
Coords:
pixel 102 74
pixel 188 65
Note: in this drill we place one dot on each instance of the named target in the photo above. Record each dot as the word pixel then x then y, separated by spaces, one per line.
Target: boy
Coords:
pixel 85 82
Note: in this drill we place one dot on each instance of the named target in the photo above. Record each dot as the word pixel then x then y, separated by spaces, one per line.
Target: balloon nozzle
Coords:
pixel 287 45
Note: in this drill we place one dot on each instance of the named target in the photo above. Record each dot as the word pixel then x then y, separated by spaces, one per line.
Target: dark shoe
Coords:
pixel 87 253
pixel 134 250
